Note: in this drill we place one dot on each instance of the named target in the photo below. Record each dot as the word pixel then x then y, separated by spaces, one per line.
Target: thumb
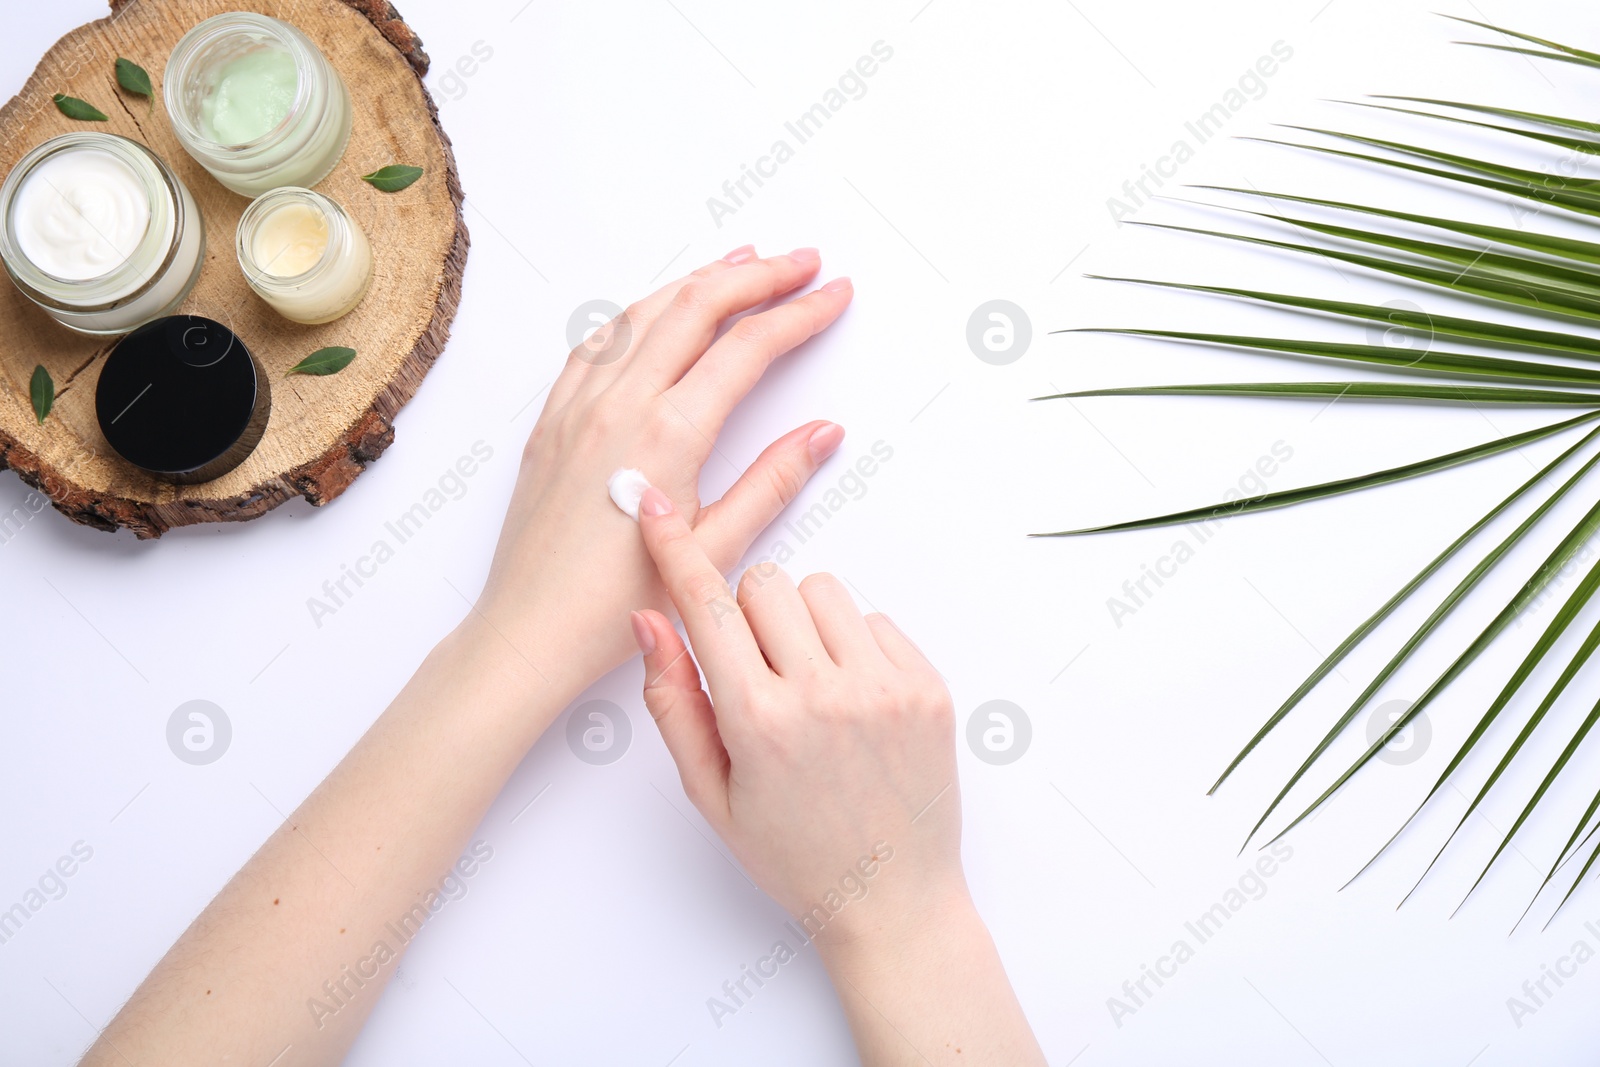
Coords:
pixel 682 712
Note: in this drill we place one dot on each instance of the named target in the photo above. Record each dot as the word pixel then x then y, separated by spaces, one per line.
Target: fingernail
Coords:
pixel 655 502
pixel 642 633
pixel 838 285
pixel 806 255
pixel 825 441
pixel 741 254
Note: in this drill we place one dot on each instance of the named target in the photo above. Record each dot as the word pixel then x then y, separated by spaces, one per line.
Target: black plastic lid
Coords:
pixel 179 398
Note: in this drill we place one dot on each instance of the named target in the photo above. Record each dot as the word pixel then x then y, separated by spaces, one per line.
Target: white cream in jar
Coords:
pixel 303 255
pixel 97 231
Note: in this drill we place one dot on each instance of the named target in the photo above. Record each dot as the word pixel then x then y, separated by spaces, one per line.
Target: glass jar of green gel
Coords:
pixel 256 104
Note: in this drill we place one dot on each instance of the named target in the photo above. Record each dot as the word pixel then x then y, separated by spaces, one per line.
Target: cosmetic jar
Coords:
pixel 256 103
pixel 98 231
pixel 183 399
pixel 303 255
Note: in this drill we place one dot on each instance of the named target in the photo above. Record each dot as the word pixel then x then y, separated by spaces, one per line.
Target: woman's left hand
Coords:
pixel 650 390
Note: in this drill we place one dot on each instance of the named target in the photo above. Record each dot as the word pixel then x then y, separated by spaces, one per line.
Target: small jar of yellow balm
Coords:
pixel 255 103
pixel 303 255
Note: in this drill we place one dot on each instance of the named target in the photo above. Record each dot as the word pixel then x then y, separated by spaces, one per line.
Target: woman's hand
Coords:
pixel 649 390
pixel 824 755
pixel 826 746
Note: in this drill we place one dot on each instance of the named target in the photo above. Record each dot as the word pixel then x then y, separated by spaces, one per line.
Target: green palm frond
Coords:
pixel 1552 278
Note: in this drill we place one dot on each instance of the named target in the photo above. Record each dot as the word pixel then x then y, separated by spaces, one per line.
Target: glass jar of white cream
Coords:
pixel 303 255
pixel 96 230
pixel 255 103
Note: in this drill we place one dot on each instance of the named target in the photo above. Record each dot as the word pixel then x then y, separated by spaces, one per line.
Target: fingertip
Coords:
pixel 839 285
pixel 655 503
pixel 643 635
pixel 824 441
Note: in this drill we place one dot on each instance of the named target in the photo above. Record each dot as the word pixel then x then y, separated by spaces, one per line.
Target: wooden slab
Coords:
pixel 323 431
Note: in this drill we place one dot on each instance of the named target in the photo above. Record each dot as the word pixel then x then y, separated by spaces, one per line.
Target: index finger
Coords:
pixel 718 631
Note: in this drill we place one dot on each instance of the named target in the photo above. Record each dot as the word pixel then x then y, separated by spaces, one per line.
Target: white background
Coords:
pixel 977 166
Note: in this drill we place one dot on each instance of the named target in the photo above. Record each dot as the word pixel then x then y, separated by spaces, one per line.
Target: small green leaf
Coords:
pixel 133 77
pixel 329 360
pixel 42 391
pixel 74 108
pixel 393 178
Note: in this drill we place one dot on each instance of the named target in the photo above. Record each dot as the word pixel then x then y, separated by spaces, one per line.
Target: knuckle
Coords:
pixel 753 579
pixel 705 589
pixel 754 331
pixel 694 296
pixel 785 481
pixel 635 316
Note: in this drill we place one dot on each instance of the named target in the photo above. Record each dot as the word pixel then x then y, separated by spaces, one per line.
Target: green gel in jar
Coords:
pixel 255 102
pixel 252 97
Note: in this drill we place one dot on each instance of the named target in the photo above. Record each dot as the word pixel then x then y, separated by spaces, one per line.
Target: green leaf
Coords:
pixel 1580 597
pixel 74 108
pixel 1538 795
pixel 1500 112
pixel 1489 285
pixel 1455 363
pixel 329 360
pixel 1570 54
pixel 1534 52
pixel 1535 180
pixel 1285 498
pixel 1464 394
pixel 134 78
pixel 1552 190
pixel 1529 272
pixel 1359 634
pixel 1478 262
pixel 1561 859
pixel 1569 547
pixel 1564 247
pixel 1530 341
pixel 1558 626
pixel 1576 882
pixel 42 391
pixel 393 178
pixel 1572 144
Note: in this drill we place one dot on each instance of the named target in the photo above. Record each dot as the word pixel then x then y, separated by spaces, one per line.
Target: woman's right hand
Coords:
pixel 824 755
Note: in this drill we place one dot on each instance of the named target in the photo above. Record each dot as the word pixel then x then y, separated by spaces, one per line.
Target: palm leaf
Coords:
pixel 1551 190
pixel 1572 144
pixel 1565 247
pixel 1464 394
pixel 1553 278
pixel 1558 558
pixel 1286 497
pixel 1458 363
pixel 1557 50
pixel 1489 284
pixel 1500 112
pixel 1535 656
pixel 1359 633
pixel 1531 341
pixel 1432 623
pixel 1560 764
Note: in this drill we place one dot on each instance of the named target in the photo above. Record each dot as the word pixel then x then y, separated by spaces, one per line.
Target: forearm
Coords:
pixel 297 947
pixel 928 987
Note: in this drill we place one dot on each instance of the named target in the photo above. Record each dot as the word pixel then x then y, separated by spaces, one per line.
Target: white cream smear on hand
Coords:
pixel 626 487
pixel 81 214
